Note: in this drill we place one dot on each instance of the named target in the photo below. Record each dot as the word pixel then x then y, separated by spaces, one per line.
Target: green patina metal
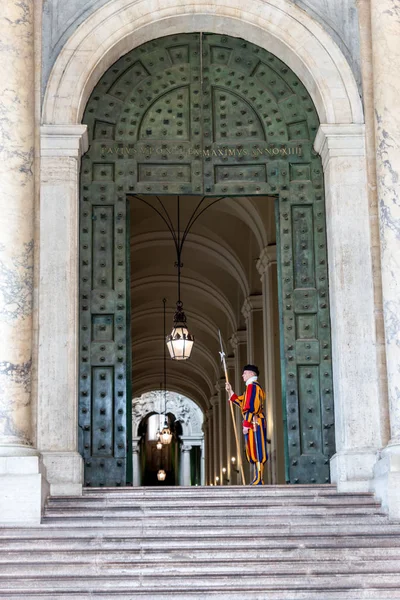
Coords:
pixel 211 115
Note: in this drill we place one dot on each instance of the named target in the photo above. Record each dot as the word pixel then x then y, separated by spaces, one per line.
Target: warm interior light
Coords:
pixel 165 435
pixel 161 475
pixel 180 341
pixel 233 460
pixel 224 470
pixel 217 479
pixel 159 445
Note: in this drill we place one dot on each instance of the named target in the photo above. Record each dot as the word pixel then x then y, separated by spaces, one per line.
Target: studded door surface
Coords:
pixel 305 328
pixel 212 115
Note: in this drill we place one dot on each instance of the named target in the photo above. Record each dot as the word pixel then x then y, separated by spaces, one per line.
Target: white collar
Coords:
pixel 251 380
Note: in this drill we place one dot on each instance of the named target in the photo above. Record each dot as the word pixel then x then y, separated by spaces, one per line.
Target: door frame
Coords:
pixel 341 143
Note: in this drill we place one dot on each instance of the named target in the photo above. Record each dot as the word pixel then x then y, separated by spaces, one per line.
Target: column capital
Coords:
pixel 220 385
pixel 63 140
pixel 238 337
pixel 186 447
pixel 192 440
pixel 252 303
pixel 266 259
pixel 214 400
pixel 334 141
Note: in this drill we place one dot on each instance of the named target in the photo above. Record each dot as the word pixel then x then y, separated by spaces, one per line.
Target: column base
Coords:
pixel 386 482
pixel 352 470
pixel 23 485
pixel 64 472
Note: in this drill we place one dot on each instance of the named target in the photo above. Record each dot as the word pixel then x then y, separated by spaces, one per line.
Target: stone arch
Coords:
pixel 213 115
pixel 183 408
pixel 98 43
pixel 285 30
pixel 180 386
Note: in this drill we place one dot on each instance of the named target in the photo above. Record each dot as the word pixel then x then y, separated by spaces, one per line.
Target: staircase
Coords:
pixel 265 543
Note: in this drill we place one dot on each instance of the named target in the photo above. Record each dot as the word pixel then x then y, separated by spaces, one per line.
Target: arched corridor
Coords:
pixel 183 458
pixel 229 283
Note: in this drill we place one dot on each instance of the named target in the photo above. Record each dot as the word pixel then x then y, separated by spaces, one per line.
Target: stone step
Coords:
pixel 212 499
pixel 225 594
pixel 269 543
pixel 226 512
pixel 189 555
pixel 246 582
pixel 216 492
pixel 219 491
pixel 179 569
pixel 151 521
pixel 212 543
pixel 213 505
pixel 303 526
pixel 238 525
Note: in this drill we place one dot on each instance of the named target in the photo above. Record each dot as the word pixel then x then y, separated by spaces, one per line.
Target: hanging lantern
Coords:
pixel 165 435
pixel 180 341
pixel 161 475
pixel 159 446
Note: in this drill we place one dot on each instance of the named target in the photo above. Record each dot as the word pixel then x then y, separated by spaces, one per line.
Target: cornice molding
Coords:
pixel 338 141
pixel 63 141
pixel 251 304
pixel 266 259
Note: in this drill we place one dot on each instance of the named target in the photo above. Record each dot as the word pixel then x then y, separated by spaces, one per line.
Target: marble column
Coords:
pixel 210 446
pixel 252 310
pixel 205 448
pixel 358 426
pixel 222 433
pixel 20 479
pixel 216 458
pixel 57 423
pixel 202 464
pixel 385 29
pixel 267 268
pixel 185 462
pixel 230 435
pixel 136 474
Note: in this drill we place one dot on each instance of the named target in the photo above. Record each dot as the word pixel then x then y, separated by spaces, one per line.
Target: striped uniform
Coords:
pixel 251 404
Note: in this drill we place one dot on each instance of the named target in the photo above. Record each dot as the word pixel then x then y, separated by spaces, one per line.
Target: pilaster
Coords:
pixel 215 402
pixel 267 268
pixel 61 150
pixel 185 463
pixel 136 471
pixel 355 377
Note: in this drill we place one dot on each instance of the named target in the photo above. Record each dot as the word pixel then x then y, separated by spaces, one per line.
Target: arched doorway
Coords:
pixel 318 62
pixel 183 459
pixel 212 115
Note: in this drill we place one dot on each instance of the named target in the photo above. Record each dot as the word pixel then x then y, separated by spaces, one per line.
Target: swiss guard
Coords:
pixel 251 404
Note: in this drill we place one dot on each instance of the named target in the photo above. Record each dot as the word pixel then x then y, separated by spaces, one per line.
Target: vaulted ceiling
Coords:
pixel 219 271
